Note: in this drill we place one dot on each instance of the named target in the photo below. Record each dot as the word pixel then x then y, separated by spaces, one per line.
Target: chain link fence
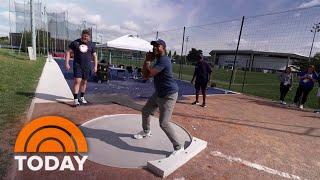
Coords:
pixel 248 54
pixel 54 29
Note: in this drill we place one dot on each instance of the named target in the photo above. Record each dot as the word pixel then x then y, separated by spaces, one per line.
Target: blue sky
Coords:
pixel 119 17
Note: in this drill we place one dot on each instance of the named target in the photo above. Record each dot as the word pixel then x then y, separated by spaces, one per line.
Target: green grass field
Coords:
pixel 18 81
pixel 260 84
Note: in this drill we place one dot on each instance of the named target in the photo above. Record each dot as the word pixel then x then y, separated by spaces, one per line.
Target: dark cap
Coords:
pixel 158 42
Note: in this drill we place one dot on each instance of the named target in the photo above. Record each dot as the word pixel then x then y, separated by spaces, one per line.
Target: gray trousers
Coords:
pixel 166 106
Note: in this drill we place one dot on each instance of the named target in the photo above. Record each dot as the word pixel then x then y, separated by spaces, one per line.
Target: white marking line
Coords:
pixel 254 165
pixel 209 95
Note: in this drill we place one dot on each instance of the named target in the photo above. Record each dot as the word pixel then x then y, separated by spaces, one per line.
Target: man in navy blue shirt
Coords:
pixel 202 73
pixel 84 52
pixel 164 97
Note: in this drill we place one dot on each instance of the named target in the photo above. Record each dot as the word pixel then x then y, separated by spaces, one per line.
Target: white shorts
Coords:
pixel 318 94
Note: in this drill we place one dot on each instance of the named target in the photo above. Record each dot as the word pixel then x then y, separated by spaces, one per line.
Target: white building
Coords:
pixel 255 60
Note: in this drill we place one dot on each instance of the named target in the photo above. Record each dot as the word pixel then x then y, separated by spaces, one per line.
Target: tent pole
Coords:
pixel 110 57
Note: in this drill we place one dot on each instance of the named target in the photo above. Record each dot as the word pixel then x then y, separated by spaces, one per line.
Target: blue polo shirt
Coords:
pixel 164 82
pixel 82 52
pixel 307 83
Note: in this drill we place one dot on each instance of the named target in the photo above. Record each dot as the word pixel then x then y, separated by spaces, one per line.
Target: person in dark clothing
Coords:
pixel 286 79
pixel 201 75
pixel 306 84
pixel 84 52
pixel 318 96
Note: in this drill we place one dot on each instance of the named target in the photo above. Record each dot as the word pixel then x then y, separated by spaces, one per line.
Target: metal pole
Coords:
pixel 64 38
pixel 47 29
pixel 185 56
pixel 236 55
pixel 110 57
pixel 157 35
pixel 314 36
pixel 10 35
pixel 84 23
pixel 184 31
pixel 101 47
pixel 24 25
pixel 67 21
pixel 245 75
pixel 55 39
pixel 21 42
pixel 96 32
pixel 33 28
pixel 43 30
pixel 24 28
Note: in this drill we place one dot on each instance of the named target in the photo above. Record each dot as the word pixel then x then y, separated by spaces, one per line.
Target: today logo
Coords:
pixel 50 134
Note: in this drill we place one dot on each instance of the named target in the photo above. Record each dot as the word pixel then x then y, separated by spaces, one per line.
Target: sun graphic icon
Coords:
pixel 83 48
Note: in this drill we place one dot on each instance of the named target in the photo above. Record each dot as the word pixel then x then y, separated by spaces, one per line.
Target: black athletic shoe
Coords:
pixel 203 105
pixel 195 103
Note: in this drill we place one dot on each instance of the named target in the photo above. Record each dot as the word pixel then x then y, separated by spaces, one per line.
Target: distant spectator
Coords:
pixel 306 84
pixel 318 96
pixel 286 79
pixel 202 73
pixel 103 61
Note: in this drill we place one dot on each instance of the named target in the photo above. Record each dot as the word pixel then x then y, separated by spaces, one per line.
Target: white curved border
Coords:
pixel 113 115
pixel 166 166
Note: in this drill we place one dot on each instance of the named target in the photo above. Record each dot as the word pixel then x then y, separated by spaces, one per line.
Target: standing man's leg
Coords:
pixel 78 75
pixel 305 96
pixel 204 94
pixel 285 92
pixel 166 106
pixel 149 108
pixel 76 87
pixel 86 74
pixel 318 110
pixel 298 95
pixel 83 87
pixel 197 87
pixel 281 93
pixel 318 97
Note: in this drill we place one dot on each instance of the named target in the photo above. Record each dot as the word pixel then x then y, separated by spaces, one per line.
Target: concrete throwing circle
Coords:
pixel 110 141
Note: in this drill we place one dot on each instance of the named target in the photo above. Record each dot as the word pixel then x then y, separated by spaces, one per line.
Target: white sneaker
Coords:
pixel 76 102
pixel 83 101
pixel 176 152
pixel 142 135
pixel 317 111
pixel 301 106
pixel 284 103
pixel 294 105
pixel 195 103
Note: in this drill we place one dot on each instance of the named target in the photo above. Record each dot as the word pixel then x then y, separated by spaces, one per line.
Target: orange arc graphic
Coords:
pixel 51 134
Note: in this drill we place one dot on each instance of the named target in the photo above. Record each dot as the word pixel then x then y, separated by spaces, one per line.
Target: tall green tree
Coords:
pixel 303 64
pixel 174 54
pixel 4 40
pixel 193 55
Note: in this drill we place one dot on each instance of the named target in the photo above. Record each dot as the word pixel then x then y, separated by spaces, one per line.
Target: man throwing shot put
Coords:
pixel 164 97
pixel 83 51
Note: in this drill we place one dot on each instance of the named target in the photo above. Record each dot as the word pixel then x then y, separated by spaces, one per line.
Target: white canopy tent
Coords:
pixel 128 42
